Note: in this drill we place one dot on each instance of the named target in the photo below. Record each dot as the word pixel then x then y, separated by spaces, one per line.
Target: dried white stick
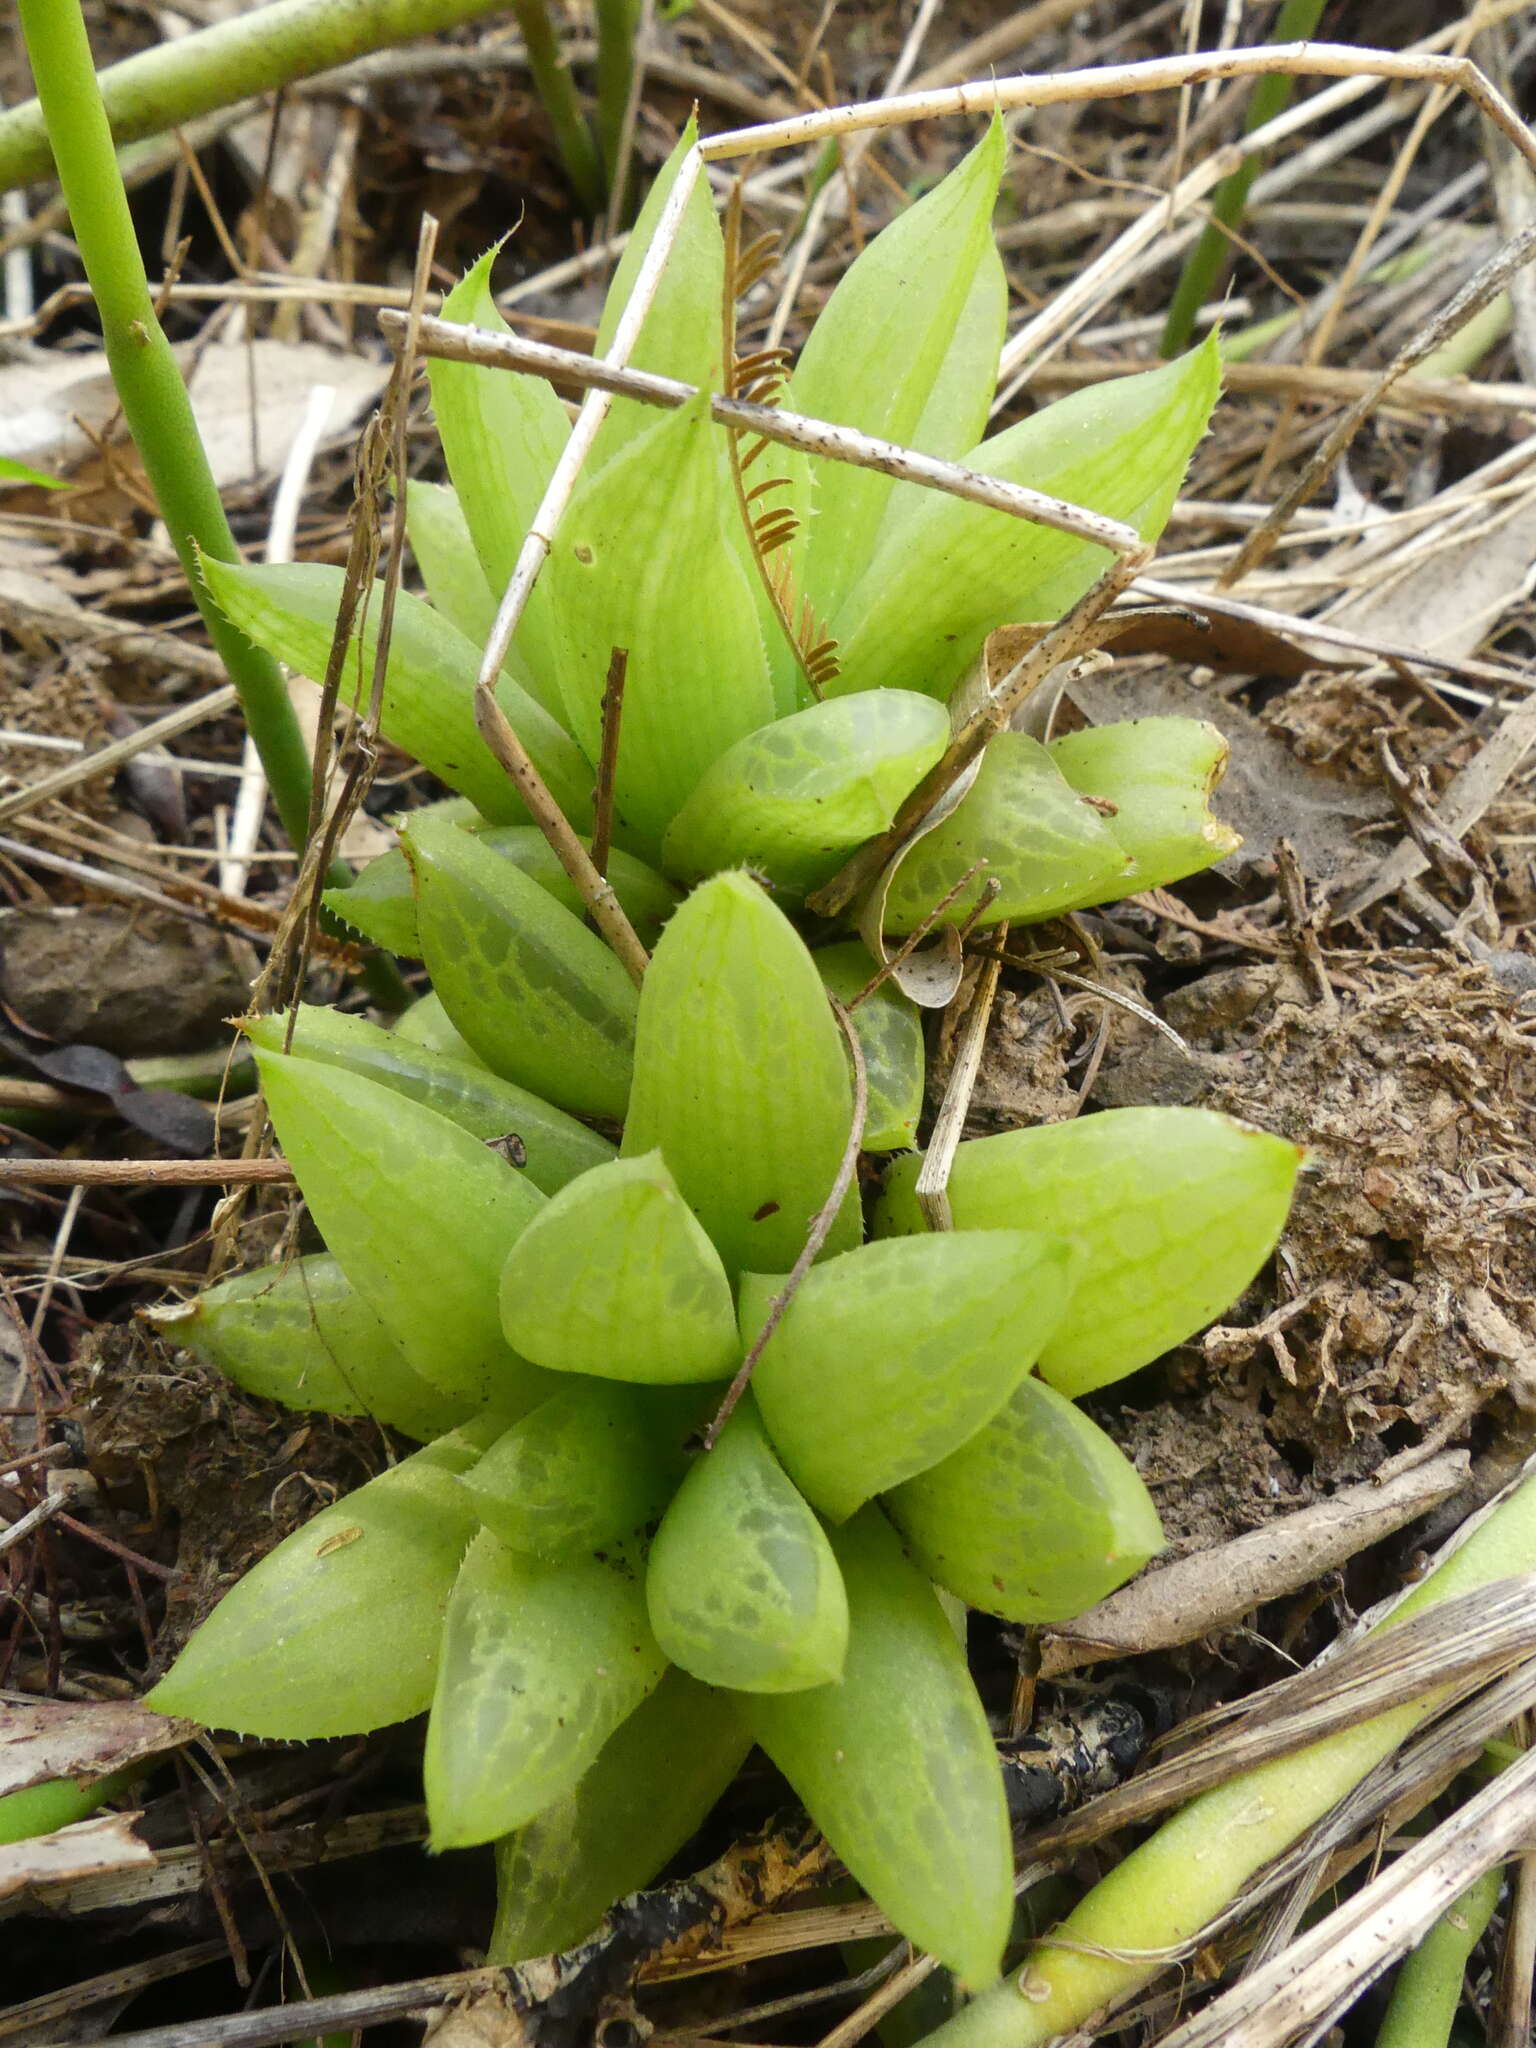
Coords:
pixel 105 760
pixel 933 1176
pixel 251 801
pixel 442 338
pixel 1117 81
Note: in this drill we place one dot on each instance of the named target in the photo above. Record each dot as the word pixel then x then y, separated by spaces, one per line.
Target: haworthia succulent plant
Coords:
pixel 428 704
pixel 457 586
pixel 672 591
pixel 1158 774
pixel 586 1467
pixel 890 1033
pixel 398 1192
pixel 540 1663
pixel 753 1139
pixel 794 799
pixel 616 1278
pixel 1174 1211
pixel 742 1586
pixel 555 1148
pixel 294 1651
pixel 908 339
pixel 502 435
pixel 302 1334
pixel 381 902
pixel 1021 825
pixel 681 334
pixel 540 997
pixel 1036 1518
pixel 897 1765
pixel 946 573
pixel 890 1357
pixel 651 1787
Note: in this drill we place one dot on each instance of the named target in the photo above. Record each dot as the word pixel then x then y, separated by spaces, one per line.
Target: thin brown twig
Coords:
pixel 1064 640
pixel 816 1236
pixel 445 340
pixel 916 936
pixel 932 1187
pixel 179 1173
pixel 1480 289
pixel 608 759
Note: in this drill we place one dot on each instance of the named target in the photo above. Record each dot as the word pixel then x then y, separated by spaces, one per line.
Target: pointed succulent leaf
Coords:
pixel 428 708
pixel 381 902
pixel 890 1033
pixel 670 587
pixel 650 1790
pixel 540 997
pixel 1174 1211
pixel 295 1652
pixel 955 416
pixel 303 1335
pixel 946 573
pixel 399 1192
pixel 540 1664
pixel 502 434
pixel 1047 846
pixel 882 1363
pixel 555 1148
pixel 646 898
pixel 457 587
pixel 681 335
pixel 792 801
pixel 1036 1518
pixel 753 1138
pixel 426 1023
pixel 742 1586
pixel 1159 774
pixel 587 1466
pixel 897 1765
pixel 887 348
pixel 616 1278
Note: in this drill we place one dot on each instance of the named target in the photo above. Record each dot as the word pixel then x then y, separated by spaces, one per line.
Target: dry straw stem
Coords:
pixel 949 1127
pixel 1320 1976
pixel 1479 290
pixel 1467 1642
pixel 1213 1589
pixel 132 1173
pixel 108 759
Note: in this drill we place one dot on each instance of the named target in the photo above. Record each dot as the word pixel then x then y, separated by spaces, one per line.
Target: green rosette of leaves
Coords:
pixel 561 1214
pixel 576 1557
pixel 723 758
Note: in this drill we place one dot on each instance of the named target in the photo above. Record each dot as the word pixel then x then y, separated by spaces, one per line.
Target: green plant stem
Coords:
pixel 552 82
pixel 1427 1990
pixel 56 1803
pixel 617 24
pixel 1208 259
pixel 254 51
pixel 149 384
pixel 1200 1860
